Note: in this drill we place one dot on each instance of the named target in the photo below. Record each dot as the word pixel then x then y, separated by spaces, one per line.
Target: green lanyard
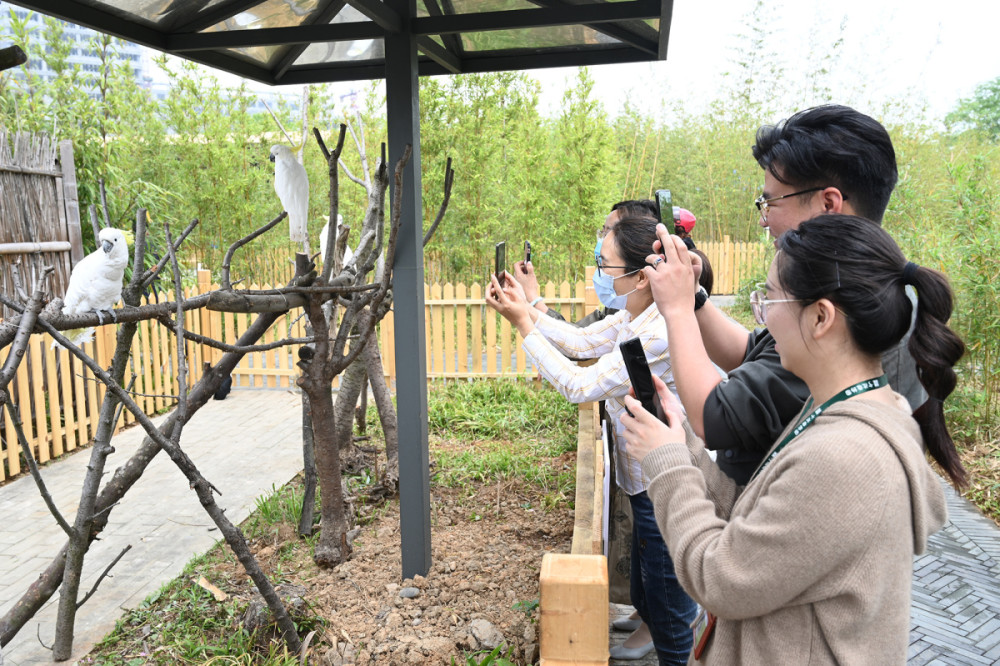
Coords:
pixel 857 389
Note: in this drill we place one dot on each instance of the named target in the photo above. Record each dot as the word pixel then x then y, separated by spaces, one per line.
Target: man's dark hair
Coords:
pixel 832 146
pixel 634 237
pixel 637 208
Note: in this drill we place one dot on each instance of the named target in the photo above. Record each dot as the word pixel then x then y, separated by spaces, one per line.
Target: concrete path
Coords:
pixel 243 444
pixel 955 612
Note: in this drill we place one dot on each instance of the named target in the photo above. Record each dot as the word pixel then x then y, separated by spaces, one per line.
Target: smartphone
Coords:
pixel 501 261
pixel 527 254
pixel 640 377
pixel 665 204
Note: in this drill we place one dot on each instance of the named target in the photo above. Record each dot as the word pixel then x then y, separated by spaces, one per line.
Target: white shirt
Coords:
pixel 552 340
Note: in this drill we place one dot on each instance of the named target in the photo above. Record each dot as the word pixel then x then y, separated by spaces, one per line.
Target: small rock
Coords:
pixel 418 579
pixel 409 592
pixel 392 588
pixel 487 634
pixel 415 623
pixel 452 566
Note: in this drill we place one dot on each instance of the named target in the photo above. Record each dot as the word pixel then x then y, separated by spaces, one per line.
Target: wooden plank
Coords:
pixel 476 334
pixel 583 512
pixel 44 453
pixel 13 446
pixel 146 365
pixel 157 366
pixel 581 295
pixel 437 330
pixel 134 371
pixel 461 332
pixel 573 610
pixel 54 405
pixel 244 364
pixel 80 400
pixel 71 199
pixel 565 309
pixel 66 382
pixel 491 340
pixel 427 327
pixel 93 391
pixel 505 335
pixel 450 345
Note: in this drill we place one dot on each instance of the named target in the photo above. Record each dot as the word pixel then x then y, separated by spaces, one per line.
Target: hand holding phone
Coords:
pixel 640 377
pixel 527 256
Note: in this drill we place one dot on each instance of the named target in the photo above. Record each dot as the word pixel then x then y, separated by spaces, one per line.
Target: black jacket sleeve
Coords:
pixel 744 414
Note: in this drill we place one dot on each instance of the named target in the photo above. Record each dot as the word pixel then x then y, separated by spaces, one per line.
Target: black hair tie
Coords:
pixel 910 272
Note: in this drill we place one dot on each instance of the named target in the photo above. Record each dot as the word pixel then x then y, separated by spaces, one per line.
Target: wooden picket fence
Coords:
pixel 59 399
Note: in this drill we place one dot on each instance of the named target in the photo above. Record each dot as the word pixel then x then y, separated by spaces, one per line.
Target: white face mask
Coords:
pixel 604 285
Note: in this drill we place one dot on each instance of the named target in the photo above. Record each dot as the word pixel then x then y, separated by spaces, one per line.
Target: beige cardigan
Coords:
pixel 812 562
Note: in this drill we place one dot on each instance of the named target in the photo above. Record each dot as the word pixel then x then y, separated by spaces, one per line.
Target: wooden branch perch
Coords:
pixel 449 177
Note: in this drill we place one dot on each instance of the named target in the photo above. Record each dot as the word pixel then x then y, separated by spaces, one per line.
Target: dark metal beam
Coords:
pixel 303 34
pixel 534 18
pixel 402 90
pixel 217 14
pixel 453 43
pixel 96 19
pixel 232 64
pixel 440 55
pixel 325 15
pixel 665 17
pixel 380 13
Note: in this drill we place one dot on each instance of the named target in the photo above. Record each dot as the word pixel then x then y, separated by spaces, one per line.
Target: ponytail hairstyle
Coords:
pixel 634 237
pixel 856 265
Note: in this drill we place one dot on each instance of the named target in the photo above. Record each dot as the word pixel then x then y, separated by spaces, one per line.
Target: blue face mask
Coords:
pixel 597 248
pixel 604 285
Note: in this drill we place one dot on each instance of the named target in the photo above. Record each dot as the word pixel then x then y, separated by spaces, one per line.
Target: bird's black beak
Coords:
pixel 107 246
pixel 270 157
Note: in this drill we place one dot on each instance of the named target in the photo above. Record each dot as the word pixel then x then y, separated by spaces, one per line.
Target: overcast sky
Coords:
pixel 938 51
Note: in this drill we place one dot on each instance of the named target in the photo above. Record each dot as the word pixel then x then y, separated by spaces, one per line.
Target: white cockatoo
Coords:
pixel 292 186
pixel 96 281
pixel 322 239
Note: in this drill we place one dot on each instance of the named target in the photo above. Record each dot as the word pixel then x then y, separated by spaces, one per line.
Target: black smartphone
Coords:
pixel 527 254
pixel 501 261
pixel 640 377
pixel 665 204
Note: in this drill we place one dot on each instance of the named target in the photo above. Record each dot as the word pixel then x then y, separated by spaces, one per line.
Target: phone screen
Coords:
pixel 501 260
pixel 665 204
pixel 527 254
pixel 640 377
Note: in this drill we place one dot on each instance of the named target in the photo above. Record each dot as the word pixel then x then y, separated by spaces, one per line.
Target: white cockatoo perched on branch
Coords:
pixel 96 281
pixel 292 186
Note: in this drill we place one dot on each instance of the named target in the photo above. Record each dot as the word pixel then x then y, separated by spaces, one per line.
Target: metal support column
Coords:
pixel 403 114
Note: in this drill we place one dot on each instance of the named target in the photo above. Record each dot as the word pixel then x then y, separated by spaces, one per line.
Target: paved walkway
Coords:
pixel 955 614
pixel 243 444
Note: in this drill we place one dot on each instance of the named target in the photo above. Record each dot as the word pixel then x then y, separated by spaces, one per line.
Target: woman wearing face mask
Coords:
pixel 620 283
pixel 811 561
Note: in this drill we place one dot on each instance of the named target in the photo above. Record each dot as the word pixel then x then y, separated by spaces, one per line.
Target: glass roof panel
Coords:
pixel 534 38
pixel 157 14
pixel 333 52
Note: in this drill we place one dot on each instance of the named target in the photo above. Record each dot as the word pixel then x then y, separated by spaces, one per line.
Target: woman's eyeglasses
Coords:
pixel 759 303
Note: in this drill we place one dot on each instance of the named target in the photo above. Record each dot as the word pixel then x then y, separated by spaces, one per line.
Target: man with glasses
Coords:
pixel 828 159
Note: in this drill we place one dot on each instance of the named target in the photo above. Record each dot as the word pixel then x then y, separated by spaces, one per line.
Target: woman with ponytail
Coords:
pixel 811 561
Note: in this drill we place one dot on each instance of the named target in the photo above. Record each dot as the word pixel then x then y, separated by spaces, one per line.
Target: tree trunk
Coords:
pixel 351 382
pixel 386 411
pixel 309 470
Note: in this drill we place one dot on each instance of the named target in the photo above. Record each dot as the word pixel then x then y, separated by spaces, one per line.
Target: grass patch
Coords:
pixel 501 409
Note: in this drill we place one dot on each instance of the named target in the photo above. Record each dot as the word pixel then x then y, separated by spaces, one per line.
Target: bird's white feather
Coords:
pixel 291 184
pixel 96 281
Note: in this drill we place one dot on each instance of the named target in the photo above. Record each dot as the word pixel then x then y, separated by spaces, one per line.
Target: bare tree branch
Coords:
pixel 151 274
pixel 104 204
pixel 15 419
pixel 23 335
pixel 243 241
pixel 170 325
pixel 331 162
pixel 103 575
pixel 449 177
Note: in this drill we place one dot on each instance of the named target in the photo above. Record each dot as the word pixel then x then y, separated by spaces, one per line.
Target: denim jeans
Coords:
pixel 657 596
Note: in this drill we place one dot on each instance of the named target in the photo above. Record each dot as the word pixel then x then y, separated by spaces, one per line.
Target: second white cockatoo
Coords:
pixel 96 281
pixel 292 187
pixel 322 239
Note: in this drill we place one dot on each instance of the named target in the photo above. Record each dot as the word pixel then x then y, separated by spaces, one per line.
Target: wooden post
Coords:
pixel 72 200
pixel 573 607
pixel 590 300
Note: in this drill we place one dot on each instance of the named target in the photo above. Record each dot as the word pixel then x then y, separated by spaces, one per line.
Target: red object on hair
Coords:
pixel 684 219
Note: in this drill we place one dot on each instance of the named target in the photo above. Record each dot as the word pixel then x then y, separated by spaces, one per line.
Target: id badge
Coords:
pixel 703 626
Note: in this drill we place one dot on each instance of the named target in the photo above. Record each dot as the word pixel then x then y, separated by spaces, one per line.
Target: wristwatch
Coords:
pixel 700 298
